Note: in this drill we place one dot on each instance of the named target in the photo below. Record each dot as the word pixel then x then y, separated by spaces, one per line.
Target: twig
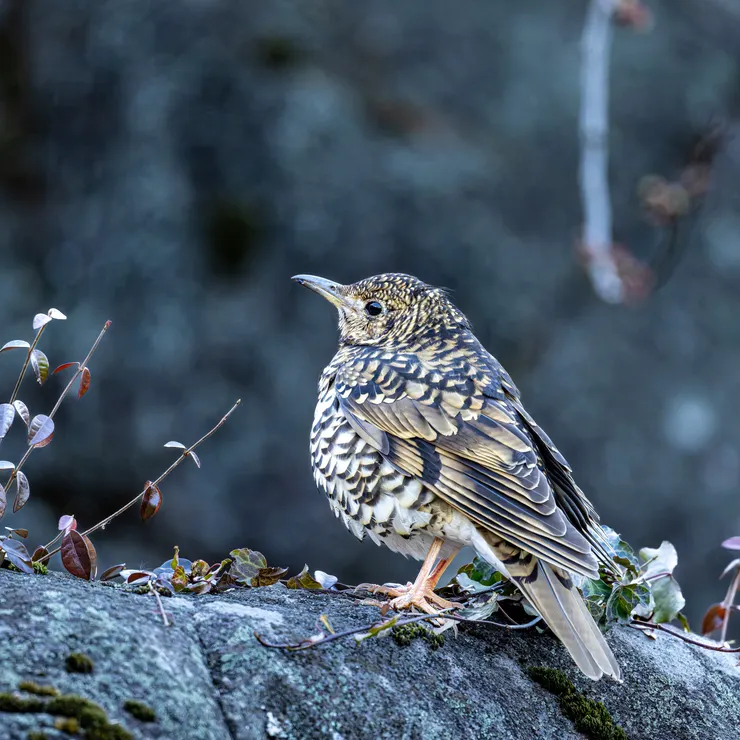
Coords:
pixel 642 626
pixel 388 624
pixel 104 523
pixel 165 618
pixel 727 603
pixel 594 133
pixel 80 367
pixel 25 364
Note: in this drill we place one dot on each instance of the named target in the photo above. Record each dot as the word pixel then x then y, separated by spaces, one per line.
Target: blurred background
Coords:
pixel 169 166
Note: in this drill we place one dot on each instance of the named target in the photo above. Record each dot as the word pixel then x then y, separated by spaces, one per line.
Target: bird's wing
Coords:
pixel 463 432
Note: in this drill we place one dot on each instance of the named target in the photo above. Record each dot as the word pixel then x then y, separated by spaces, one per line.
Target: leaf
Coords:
pixel 113 572
pixel 662 560
pixel 713 619
pixel 40 431
pixel 325 621
pixel 7 465
pixel 3 501
pixel 15 344
pixel 247 565
pixel 199 569
pixel 684 622
pixel 55 313
pixel 268 576
pixel 40 319
pixel 151 501
pixel 7 414
pixel 67 522
pixel 178 445
pixel 78 555
pixel 136 577
pixel 40 365
pixel 38 553
pixel 22 411
pixel 23 491
pixel 17 554
pixel 84 383
pixel 658 571
pixel 196 459
pixel 731 566
pixel 64 367
pixel 625 599
pixel 179 578
pixel 327 581
pixel 732 544
pixel 20 532
pixel 303 580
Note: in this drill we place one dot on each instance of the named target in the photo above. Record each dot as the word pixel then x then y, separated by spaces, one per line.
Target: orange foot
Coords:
pixel 421 596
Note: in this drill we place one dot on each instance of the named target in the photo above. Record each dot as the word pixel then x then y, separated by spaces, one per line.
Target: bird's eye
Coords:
pixel 373 308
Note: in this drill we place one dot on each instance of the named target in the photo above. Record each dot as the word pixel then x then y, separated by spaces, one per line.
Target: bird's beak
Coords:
pixel 325 288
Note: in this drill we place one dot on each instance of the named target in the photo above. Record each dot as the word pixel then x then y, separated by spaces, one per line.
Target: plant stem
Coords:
pixel 104 523
pixel 80 367
pixel 25 364
pixel 727 603
pixel 642 626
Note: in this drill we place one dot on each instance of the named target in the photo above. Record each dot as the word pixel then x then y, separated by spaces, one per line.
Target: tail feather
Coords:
pixel 567 616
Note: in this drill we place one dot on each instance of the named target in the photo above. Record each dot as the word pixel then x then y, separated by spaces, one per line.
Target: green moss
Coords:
pixel 140 710
pixel 40 568
pixel 32 687
pixel 407 633
pixel 67 724
pixel 79 663
pixel 590 717
pixel 37 735
pixel 20 705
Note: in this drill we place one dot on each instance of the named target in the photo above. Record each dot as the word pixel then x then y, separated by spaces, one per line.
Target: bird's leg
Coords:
pixel 420 593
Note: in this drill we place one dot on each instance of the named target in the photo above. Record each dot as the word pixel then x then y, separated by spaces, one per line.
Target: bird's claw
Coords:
pixel 410 596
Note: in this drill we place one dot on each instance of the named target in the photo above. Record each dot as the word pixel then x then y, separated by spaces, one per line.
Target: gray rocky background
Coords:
pixel 170 165
pixel 207 678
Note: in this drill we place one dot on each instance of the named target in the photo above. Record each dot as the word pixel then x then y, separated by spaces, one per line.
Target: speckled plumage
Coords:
pixel 419 433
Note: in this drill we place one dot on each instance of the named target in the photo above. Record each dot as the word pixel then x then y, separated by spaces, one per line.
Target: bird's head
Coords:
pixel 389 308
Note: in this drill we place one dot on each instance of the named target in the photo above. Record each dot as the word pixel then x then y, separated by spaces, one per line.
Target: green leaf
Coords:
pixel 268 576
pixel 683 621
pixel 480 571
pixel 303 580
pixel 199 569
pixel 625 599
pixel 179 579
pixel 657 569
pixel 246 566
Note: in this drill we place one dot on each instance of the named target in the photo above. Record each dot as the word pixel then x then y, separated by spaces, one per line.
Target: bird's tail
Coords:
pixel 553 594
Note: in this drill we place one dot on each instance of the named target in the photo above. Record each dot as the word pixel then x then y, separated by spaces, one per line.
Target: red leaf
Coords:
pixel 138 576
pixel 7 414
pixel 713 619
pixel 732 544
pixel 67 522
pixel 38 553
pixel 64 367
pixel 40 319
pixel 84 383
pixel 22 411
pixel 78 555
pixel 151 501
pixel 3 501
pixel 40 431
pixel 17 554
pixel 15 344
pixel 23 491
pixel 113 572
pixel 40 365
pixel 20 532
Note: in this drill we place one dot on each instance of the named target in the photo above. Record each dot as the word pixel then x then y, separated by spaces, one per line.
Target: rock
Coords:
pixel 207 678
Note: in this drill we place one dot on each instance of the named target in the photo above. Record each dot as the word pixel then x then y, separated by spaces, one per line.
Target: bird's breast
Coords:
pixel 364 490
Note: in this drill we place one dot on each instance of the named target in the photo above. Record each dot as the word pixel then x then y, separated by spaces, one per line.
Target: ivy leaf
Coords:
pixel 40 365
pixel 7 414
pixel 268 576
pixel 17 554
pixel 199 569
pixel 246 566
pixel 303 580
pixel 625 599
pixel 179 579
pixel 23 491
pixel 658 572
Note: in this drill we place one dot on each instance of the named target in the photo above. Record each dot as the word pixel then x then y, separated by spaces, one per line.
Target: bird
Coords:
pixel 420 442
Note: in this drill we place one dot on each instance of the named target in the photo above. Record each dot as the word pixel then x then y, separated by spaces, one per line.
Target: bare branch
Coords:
pixel 594 133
